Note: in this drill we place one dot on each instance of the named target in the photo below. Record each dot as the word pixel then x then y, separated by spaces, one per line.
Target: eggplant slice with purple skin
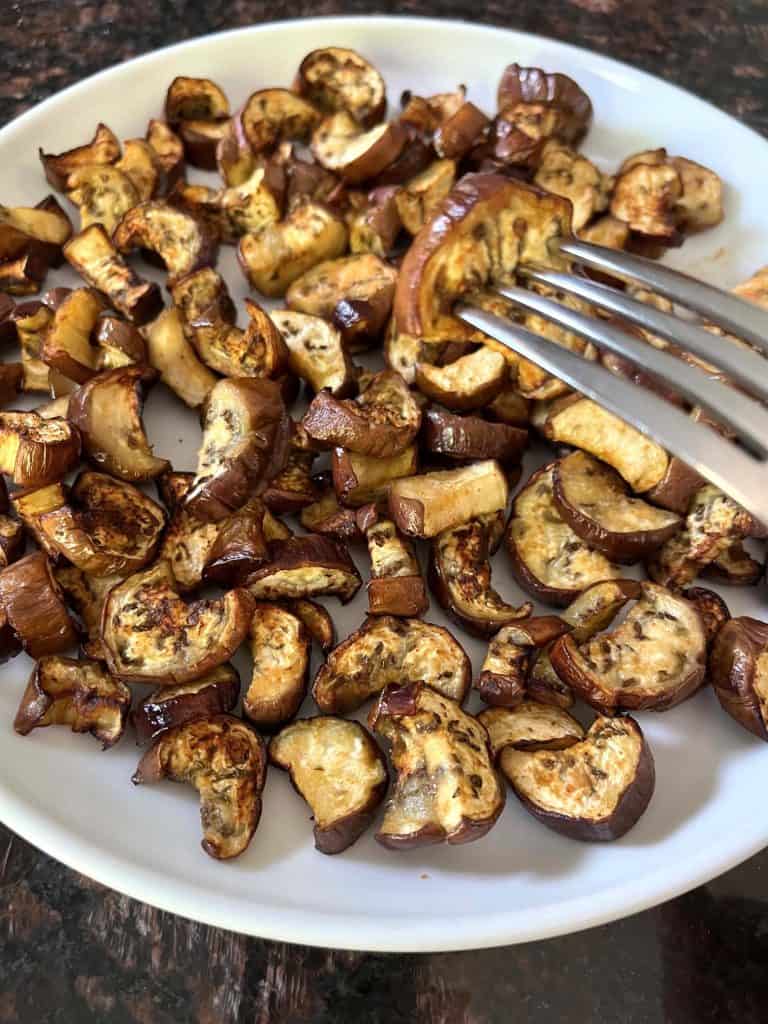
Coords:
pixel 302 567
pixel 280 647
pixel 182 241
pixel 337 767
pixel 316 352
pixel 34 451
pixel 738 668
pixel 504 673
pixel 468 438
pixel 215 693
pixel 426 505
pixel 34 608
pixel 530 726
pixel 363 479
pixel 396 586
pixel 335 78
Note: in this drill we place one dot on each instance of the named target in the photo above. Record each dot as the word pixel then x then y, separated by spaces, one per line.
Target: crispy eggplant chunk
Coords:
pixel 584 424
pixel 317 622
pixel 272 259
pixel 423 506
pixel 608 231
pixel 33 605
pixel 735 568
pixel 567 173
pixel 183 242
pixel 151 635
pixel 711 607
pixel 446 788
pixel 120 342
pixel 280 649
pixel 80 694
pixel 107 412
pixel 468 383
pixel 172 355
pixel 530 726
pixel 339 770
pixel 713 524
pixel 95 258
pixel 701 204
pixel 327 516
pixel 247 208
pixel 468 438
pixel 595 789
pixel 103 195
pixel 390 650
pixel 593 500
pixel 420 195
pixel 545 104
pixel 482 230
pixel 270 116
pixel 104 527
pixel 738 669
pixel 31 504
pixel 67 345
pixel 102 150
pixel 316 352
pixel 168 152
pixel 170 706
pixel 306 567
pixel 34 451
pixel 382 421
pixel 396 586
pixel 201 141
pixel 195 99
pixel 86 596
pixel 30 321
pixel 293 488
pixel 376 226
pixel 647 194
pixel 460 579
pixel 506 665
pixel 362 479
pixel 549 560
pixel 139 162
pixel 652 661
pixel 340 146
pixel 245 443
pixel 464 129
pixel 335 79
pixel 225 760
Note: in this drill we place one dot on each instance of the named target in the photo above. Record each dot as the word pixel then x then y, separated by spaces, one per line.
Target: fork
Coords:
pixel 738 467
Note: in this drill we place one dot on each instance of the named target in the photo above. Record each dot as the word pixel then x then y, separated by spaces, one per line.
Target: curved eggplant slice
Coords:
pixel 327 516
pixel 570 174
pixel 340 146
pixel 67 345
pixel 711 607
pixel 201 140
pixel 245 443
pixel 225 760
pixel 172 355
pixel 31 504
pixel 34 451
pixel 396 586
pixel 653 660
pixel 103 195
pixel 195 99
pixel 168 151
pixel 317 622
pixel 735 568
pixel 339 770
pixel 468 438
pixel 468 383
pixel 272 259
pixel 460 579
pixel 423 506
pixel 30 321
pixel 139 163
pixel 315 352
pixel 170 706
pixel 95 258
pixel 502 680
pixel 530 726
pixel 293 488
pixel 80 694
pixel 306 567
pixel 446 788
pixel 596 789
pixel 647 194
pixel 389 650
pixel 419 196
pixel 701 204
pixel 151 635
pixel 364 479
pixel 375 228
pixel 270 116
pixel 464 129
pixel 32 603
pixel 593 501
pixel 714 522
pixel 103 149
pixel 525 88
pixel 120 343
pixel 548 559
pixel 107 412
pixel 335 78
pixel 183 242
pixel 280 648
pixel 738 668
pixel 86 596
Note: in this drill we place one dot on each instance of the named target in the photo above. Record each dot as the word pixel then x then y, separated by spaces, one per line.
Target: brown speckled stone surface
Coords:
pixel 71 951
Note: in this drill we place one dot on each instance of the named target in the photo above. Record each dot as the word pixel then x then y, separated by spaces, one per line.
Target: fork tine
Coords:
pixel 744 319
pixel 723 464
pixel 742 365
pixel 746 417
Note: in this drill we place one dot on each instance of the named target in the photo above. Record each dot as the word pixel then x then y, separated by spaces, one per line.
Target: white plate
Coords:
pixel 522 882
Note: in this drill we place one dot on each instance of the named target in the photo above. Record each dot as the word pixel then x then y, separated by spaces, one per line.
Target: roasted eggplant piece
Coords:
pixel 340 146
pixel 293 488
pixel 306 567
pixel 120 343
pixel 36 451
pixel 30 321
pixel 183 242
pixel 172 355
pixel 390 650
pixel 396 586
pixel 247 208
pixel 80 694
pixel 272 259
pixel 502 679
pixel 168 151
pixel 423 506
pixel 103 195
pixel 646 195
pixel 468 438
pixel 86 596
pixel 417 199
pixel 338 79
pixel 107 412
pixel 711 607
pixel 33 503
pixel 545 104
pixel 170 706
pixel 735 567
pixel 363 479
pixel 33 605
pixel 738 668
pixel 317 622
pixel 225 760
pixel 608 231
pixel 376 226
pixel 530 726
pixel 339 770
pixel 570 174
pixel 95 258
pixel 270 116
pixel 446 789
pixel 596 789
pixel 102 150
pixel 280 649
pixel 464 129
pixel 245 443
pixel 67 345
pixel 25 274
pixel 653 660
pixel 548 559
pixel 38 231
pixel 327 516
pixel 195 99
pixel 12 537
pixel 468 383
pixel 151 635
pixel 139 162
pixel 316 352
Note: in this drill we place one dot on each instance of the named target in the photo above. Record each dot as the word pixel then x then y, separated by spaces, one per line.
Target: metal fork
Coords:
pixel 739 468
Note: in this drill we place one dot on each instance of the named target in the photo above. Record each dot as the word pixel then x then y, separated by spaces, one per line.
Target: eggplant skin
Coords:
pixel 169 706
pixel 397 595
pixel 32 601
pixel 466 438
pixel 733 671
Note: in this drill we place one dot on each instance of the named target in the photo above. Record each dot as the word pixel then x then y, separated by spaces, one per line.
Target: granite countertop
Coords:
pixel 72 951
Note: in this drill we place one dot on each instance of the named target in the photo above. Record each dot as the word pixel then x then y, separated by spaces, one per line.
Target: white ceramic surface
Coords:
pixel 522 881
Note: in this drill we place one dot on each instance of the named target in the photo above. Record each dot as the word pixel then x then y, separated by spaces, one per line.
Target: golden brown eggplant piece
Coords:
pixel 335 78
pixel 364 479
pixel 33 606
pixel 183 242
pixel 503 677
pixel 36 451
pixel 423 506
pixel 172 355
pixel 280 647
pixel 530 726
pixel 396 586
pixel 102 150
pixel 306 567
pixel 316 352
pixel 169 706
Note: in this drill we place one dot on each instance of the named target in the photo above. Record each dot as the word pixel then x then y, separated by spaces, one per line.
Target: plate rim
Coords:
pixel 323 928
